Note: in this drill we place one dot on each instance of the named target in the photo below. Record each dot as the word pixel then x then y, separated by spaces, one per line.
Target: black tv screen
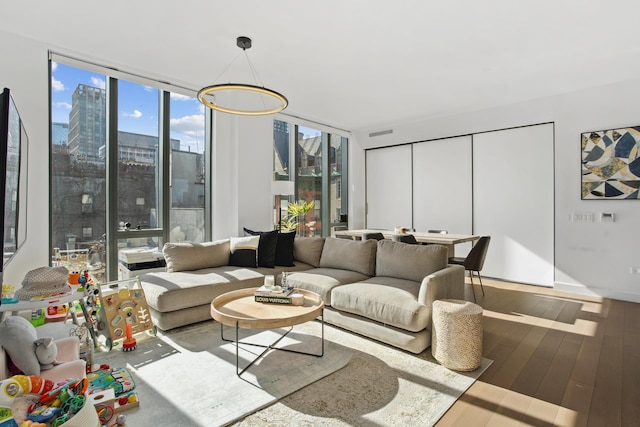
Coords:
pixel 13 188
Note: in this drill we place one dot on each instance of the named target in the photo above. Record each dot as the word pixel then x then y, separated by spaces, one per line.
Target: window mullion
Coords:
pixel 112 177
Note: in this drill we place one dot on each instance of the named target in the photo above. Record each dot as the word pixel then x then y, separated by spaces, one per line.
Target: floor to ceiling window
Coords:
pixel 320 174
pixel 128 171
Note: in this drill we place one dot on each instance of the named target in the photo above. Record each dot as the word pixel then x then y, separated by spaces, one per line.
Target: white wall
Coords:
pixel 593 258
pixel 24 71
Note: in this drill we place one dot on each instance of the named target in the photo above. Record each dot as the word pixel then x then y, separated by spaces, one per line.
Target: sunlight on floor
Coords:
pixel 580 327
pixel 516 408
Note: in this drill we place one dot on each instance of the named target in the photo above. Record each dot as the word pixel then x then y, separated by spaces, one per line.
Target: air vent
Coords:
pixel 380 133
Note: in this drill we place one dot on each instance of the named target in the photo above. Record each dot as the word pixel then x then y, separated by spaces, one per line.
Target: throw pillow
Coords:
pixel 194 256
pixel 267 247
pixel 284 249
pixel 244 251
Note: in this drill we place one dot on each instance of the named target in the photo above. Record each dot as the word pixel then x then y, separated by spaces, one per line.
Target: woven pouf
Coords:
pixel 456 334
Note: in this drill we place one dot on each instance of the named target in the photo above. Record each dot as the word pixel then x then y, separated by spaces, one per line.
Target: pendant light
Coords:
pixel 241 98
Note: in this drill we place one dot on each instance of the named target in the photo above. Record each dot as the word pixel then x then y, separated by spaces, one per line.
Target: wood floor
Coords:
pixel 559 359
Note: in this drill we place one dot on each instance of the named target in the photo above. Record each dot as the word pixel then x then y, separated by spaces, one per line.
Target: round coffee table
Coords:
pixel 240 310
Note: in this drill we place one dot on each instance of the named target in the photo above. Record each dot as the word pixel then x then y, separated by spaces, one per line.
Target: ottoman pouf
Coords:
pixel 456 334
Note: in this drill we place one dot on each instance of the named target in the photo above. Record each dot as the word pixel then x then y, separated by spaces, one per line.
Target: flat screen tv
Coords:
pixel 13 179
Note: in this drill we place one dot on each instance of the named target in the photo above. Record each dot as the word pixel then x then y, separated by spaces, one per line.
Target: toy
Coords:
pixel 118 379
pixel 129 343
pixel 13 388
pixel 122 304
pixel 46 352
pixel 18 336
pixel 60 404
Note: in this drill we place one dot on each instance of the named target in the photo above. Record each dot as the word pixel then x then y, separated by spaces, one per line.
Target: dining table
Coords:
pixel 448 240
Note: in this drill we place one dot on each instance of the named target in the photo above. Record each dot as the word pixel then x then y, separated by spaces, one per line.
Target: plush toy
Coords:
pixel 19 339
pixel 46 352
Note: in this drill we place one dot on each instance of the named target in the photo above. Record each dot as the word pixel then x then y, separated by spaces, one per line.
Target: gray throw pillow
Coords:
pixel 194 256
pixel 308 250
pixel 353 255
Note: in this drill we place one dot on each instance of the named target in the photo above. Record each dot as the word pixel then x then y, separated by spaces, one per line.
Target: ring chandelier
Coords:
pixel 243 43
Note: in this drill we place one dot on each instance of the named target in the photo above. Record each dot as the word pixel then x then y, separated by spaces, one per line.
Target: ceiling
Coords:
pixel 354 64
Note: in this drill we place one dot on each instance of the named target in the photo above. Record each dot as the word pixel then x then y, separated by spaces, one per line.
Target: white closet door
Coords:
pixel 513 202
pixel 442 192
pixel 389 187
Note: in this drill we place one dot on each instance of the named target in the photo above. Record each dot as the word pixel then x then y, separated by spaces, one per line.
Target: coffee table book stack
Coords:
pixel 275 295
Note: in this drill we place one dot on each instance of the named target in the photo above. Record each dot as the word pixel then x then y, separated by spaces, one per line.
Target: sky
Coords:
pixel 137 106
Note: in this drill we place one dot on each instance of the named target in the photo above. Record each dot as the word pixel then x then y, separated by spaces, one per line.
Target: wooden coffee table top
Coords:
pixel 239 307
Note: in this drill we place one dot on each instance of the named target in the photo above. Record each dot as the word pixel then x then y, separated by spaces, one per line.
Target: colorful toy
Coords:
pixel 129 343
pixel 56 313
pixel 118 379
pixel 15 387
pixel 125 307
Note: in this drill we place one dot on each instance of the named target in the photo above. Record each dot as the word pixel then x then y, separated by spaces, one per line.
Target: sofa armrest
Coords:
pixel 447 283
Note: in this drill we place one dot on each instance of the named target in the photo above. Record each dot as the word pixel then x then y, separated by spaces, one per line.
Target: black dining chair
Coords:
pixel 404 238
pixel 438 231
pixel 374 236
pixel 474 261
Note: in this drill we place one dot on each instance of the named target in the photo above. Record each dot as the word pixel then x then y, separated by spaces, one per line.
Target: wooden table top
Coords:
pixel 423 237
pixel 239 307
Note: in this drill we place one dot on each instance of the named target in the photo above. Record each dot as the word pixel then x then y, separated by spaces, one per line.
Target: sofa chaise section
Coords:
pixel 196 274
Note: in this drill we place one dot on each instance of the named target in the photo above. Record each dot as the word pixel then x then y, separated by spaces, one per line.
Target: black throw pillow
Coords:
pixel 284 246
pixel 284 250
pixel 244 251
pixel 266 247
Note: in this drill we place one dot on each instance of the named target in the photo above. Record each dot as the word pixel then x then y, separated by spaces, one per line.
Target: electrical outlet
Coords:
pixel 635 270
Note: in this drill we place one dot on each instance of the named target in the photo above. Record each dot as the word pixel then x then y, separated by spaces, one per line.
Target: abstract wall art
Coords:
pixel 611 164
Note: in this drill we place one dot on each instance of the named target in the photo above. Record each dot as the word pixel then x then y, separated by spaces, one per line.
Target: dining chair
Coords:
pixel 404 238
pixel 474 261
pixel 372 235
pixel 438 231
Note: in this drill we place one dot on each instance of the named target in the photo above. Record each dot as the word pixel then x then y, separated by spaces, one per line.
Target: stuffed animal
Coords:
pixel 20 340
pixel 46 352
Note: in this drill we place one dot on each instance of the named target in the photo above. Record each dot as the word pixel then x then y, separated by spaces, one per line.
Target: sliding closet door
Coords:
pixel 442 194
pixel 389 187
pixel 513 202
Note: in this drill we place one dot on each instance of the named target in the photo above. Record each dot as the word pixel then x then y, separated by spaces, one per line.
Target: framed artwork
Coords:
pixel 611 164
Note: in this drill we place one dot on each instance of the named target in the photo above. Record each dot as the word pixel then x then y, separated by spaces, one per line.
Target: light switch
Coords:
pixel 607 217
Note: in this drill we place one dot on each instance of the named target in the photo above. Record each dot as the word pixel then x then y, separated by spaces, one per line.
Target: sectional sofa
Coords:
pixel 380 289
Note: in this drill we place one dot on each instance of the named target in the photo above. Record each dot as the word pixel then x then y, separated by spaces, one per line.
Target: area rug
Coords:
pixel 187 377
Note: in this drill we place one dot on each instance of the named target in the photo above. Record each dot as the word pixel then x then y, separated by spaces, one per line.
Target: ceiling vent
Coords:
pixel 380 133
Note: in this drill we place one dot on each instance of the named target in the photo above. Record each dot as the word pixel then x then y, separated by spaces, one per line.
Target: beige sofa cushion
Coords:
pixel 411 262
pixel 322 280
pixel 387 300
pixel 194 256
pixel 175 291
pixel 354 255
pixel 308 250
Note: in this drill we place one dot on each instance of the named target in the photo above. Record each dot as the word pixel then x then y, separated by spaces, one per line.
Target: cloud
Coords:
pixel 98 82
pixel 135 115
pixel 64 105
pixel 54 66
pixel 56 85
pixel 189 125
pixel 180 97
